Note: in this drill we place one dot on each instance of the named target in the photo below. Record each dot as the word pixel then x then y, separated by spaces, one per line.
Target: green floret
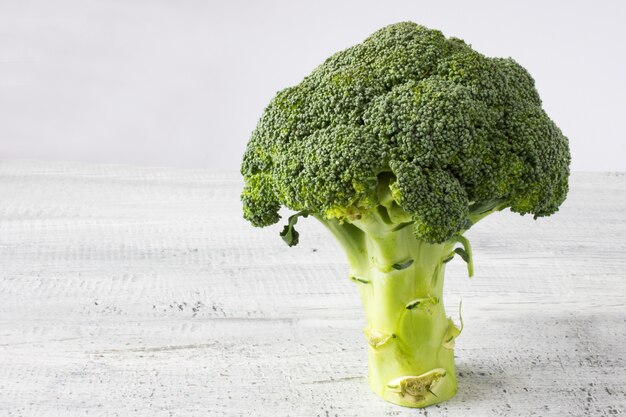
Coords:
pixel 346 153
pixel 434 198
pixel 260 205
pixel 428 121
pixel 399 145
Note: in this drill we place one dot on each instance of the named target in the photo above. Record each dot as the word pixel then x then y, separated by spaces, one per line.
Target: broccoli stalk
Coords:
pixel 398 146
pixel 411 361
pixel 400 278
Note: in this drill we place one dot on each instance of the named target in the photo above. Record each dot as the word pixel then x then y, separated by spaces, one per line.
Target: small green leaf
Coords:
pixel 402 265
pixel 461 252
pixel 465 253
pixel 359 280
pixel 426 303
pixel 289 234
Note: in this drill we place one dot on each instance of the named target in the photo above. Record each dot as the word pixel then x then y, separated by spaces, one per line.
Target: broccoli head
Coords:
pixel 399 145
pixel 459 132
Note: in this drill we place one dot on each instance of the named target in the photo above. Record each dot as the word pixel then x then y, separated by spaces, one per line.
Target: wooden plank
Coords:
pixel 141 291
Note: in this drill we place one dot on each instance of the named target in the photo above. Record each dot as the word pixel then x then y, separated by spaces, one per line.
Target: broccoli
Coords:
pixel 398 146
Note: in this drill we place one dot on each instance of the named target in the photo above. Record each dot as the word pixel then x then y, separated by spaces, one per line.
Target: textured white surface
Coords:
pixel 141 291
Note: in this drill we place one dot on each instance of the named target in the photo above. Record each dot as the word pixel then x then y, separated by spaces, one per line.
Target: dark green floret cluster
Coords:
pixel 453 133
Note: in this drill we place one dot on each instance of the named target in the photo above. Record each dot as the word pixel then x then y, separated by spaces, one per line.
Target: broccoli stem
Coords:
pixel 411 361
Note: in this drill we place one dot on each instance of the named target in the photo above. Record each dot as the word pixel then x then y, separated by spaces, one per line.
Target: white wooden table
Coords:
pixel 141 292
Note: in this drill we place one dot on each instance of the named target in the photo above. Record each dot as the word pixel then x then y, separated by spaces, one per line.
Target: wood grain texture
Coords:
pixel 141 291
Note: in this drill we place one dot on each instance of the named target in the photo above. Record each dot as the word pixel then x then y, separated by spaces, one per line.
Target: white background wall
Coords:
pixel 183 82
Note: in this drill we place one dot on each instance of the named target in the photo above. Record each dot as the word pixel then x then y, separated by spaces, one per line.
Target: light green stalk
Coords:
pixel 411 358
